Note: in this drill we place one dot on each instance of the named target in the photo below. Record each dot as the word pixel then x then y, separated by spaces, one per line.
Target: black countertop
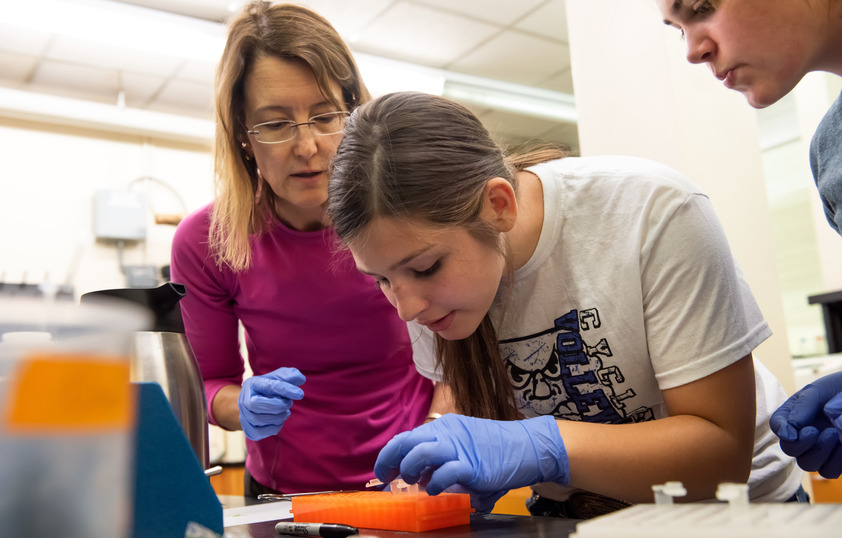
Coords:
pixel 482 525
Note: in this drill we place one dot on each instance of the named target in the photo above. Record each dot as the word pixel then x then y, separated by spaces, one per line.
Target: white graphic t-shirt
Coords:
pixel 632 290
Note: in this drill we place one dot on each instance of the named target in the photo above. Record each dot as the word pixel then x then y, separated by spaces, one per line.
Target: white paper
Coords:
pixel 268 511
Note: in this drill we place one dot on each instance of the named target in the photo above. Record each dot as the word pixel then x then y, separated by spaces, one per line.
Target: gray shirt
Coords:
pixel 826 163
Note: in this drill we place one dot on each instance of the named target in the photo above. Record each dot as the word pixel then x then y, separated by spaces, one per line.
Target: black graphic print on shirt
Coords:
pixel 555 372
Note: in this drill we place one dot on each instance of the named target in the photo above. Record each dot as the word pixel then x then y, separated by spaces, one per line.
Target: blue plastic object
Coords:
pixel 171 488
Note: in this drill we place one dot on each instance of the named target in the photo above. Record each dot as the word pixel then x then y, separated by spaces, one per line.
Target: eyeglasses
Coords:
pixel 275 132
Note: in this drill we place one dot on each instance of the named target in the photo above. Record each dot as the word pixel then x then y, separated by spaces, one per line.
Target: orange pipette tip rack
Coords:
pixel 395 511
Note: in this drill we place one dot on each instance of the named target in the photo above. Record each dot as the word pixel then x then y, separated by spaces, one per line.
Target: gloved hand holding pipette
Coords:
pixel 485 457
pixel 265 401
pixel 810 427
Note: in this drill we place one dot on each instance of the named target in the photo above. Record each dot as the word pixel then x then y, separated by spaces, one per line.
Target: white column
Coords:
pixel 637 95
pixel 813 96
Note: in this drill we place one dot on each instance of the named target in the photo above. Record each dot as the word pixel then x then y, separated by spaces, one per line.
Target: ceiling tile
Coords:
pixel 77 81
pixel 501 12
pixel 549 20
pixel 517 41
pixel 197 71
pixel 23 41
pixel 16 68
pixel 140 90
pixel 211 10
pixel 185 98
pixel 558 82
pixel 565 133
pixel 517 124
pixel 510 129
pixel 349 18
pixel 415 33
pixel 515 57
pixel 114 57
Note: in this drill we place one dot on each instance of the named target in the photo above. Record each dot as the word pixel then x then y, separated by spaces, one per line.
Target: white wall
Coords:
pixel 813 96
pixel 48 178
pixel 809 252
pixel 798 255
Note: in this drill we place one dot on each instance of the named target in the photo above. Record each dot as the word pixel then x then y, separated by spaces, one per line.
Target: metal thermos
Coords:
pixel 164 356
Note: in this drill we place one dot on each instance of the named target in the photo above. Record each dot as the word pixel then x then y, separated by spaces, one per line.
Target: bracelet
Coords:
pixel 432 416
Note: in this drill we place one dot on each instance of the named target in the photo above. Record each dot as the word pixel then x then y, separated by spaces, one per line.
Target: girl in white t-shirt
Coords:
pixel 585 313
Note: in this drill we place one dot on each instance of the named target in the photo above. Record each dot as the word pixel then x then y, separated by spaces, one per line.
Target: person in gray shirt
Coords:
pixel 762 49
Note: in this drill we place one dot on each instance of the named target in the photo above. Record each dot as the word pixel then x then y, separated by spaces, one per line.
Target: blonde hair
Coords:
pixel 285 31
pixel 411 155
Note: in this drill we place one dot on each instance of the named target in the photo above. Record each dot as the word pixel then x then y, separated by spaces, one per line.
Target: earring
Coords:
pixel 245 150
pixel 259 191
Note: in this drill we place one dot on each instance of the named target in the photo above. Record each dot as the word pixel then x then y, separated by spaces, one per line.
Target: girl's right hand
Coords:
pixel 486 457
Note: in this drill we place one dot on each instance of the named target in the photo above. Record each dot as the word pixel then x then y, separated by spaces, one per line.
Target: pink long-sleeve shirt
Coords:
pixel 305 306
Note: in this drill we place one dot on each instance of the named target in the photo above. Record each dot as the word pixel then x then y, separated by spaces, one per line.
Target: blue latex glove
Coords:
pixel 265 401
pixel 833 411
pixel 809 427
pixel 485 457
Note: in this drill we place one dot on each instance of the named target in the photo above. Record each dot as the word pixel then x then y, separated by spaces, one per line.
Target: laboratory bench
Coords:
pixel 832 313
pixel 482 525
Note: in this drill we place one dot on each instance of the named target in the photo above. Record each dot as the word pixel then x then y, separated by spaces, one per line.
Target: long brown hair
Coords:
pixel 285 31
pixel 419 156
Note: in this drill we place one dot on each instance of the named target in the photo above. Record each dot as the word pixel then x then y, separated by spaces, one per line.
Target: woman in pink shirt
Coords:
pixel 333 376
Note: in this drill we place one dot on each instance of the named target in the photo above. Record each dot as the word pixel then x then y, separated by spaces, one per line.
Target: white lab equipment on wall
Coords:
pixel 120 215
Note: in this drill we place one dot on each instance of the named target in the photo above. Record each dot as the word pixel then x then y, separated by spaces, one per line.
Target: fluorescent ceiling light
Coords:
pixel 383 76
pixel 512 97
pixel 44 108
pixel 115 24
pixel 119 25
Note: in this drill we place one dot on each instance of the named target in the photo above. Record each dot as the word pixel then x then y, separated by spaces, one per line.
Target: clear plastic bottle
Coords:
pixel 67 415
